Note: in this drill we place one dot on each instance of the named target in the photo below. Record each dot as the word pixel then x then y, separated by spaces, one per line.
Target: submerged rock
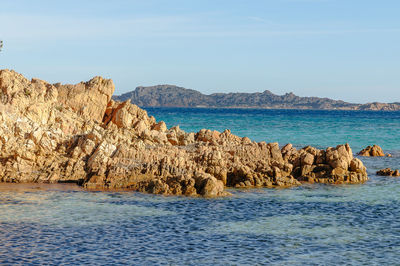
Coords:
pixel 388 172
pixel 76 133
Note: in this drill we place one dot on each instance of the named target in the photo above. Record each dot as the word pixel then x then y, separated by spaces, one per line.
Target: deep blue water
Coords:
pixel 312 224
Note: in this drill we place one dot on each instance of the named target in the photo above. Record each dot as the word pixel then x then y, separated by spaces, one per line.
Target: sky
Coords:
pixel 341 49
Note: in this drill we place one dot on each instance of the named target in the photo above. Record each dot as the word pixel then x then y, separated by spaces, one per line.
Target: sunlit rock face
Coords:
pixel 76 133
pixel 372 151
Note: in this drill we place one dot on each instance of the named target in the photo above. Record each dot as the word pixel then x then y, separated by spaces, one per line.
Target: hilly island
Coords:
pixel 174 96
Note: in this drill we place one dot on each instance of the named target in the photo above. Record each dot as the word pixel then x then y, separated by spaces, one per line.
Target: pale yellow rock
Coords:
pixel 88 99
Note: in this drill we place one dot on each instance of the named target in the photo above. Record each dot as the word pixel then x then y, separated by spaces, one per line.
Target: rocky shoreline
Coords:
pixel 53 133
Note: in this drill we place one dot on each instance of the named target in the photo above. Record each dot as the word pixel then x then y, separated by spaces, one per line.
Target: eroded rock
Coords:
pixel 388 172
pixel 76 133
pixel 372 151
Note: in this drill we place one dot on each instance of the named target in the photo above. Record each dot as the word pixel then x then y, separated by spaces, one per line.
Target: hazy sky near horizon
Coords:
pixel 342 49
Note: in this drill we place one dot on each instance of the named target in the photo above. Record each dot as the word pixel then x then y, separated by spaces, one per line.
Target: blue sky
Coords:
pixel 343 49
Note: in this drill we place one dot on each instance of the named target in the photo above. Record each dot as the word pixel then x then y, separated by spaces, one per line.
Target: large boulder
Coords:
pixel 88 99
pixel 127 115
pixel 209 186
pixel 373 151
pixel 333 165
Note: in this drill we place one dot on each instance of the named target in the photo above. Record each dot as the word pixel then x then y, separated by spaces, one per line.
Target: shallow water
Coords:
pixel 312 224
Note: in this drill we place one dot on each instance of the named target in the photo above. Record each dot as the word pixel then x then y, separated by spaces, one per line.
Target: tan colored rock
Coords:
pixel 307 159
pixel 211 187
pixel 340 156
pixel 373 151
pixel 126 115
pixel 333 166
pixel 246 140
pixel 357 166
pixel 76 133
pixel 88 99
pixel 287 148
pixel 160 126
pixel 275 152
pixel 214 136
pixel 122 116
pixel 95 182
pixel 141 126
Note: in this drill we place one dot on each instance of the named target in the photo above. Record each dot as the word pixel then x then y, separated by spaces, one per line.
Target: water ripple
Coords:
pixel 312 224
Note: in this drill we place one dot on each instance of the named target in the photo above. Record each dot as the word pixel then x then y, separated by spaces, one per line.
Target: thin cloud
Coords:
pixel 36 28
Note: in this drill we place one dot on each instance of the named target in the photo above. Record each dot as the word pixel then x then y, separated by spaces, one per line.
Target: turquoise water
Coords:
pixel 312 224
pixel 301 127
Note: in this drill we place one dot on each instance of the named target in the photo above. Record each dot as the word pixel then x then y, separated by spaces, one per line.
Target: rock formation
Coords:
pixel 77 133
pixel 173 96
pixel 372 151
pixel 388 172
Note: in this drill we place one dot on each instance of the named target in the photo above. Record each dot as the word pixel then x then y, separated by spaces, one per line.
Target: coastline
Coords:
pixel 77 133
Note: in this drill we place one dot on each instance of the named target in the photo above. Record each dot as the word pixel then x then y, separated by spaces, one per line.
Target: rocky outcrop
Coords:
pixel 88 99
pixel 173 96
pixel 388 172
pixel 333 165
pixel 76 133
pixel 372 151
pixel 375 106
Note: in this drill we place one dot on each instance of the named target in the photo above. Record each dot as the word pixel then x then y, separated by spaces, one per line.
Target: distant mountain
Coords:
pixel 174 96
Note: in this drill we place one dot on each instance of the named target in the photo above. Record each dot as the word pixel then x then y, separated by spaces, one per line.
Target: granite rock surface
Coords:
pixel 53 133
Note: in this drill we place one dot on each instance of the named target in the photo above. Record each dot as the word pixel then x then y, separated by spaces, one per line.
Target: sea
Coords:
pixel 314 224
